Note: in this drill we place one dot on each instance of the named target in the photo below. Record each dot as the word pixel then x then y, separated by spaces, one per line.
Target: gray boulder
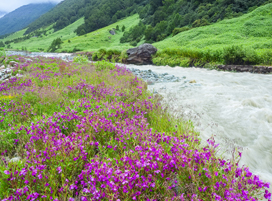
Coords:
pixel 112 32
pixel 141 55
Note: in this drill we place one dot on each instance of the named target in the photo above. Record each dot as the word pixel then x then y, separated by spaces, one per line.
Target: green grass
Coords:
pixel 36 43
pixel 101 38
pixel 90 42
pixel 251 30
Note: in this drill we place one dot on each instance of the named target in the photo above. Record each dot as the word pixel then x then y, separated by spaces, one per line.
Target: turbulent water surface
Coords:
pixel 235 107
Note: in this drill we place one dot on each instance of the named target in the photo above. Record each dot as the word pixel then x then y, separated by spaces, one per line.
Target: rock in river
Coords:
pixel 141 55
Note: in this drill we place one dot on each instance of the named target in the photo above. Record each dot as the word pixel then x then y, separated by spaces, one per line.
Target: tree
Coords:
pixel 2 44
pixel 56 44
pixel 82 32
pixel 123 28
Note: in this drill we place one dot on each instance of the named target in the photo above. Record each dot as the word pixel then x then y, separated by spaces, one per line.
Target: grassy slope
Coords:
pixel 91 41
pixel 250 30
pixel 101 38
pixel 44 42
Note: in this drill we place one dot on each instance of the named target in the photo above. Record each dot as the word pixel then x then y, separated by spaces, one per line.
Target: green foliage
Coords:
pixel 63 14
pixel 108 55
pixel 103 65
pixel 55 45
pixel 101 13
pixel 2 54
pixel 133 34
pixel 179 30
pixel 123 28
pixel 2 44
pixel 81 59
pixel 239 56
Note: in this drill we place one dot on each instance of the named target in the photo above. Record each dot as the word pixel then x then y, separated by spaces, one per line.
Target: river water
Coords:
pixel 234 107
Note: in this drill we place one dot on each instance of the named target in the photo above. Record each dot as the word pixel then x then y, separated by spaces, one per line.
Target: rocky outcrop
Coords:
pixel 112 32
pixel 251 69
pixel 141 55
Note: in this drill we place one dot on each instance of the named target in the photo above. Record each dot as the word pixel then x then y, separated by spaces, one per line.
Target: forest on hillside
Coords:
pixel 159 18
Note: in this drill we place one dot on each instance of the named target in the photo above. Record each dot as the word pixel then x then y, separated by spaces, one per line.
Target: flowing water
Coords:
pixel 235 107
pixel 64 56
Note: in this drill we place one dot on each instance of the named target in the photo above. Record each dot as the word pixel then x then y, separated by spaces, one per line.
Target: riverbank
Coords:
pixel 98 125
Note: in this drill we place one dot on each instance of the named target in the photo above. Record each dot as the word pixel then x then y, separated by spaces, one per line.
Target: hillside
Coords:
pixel 161 17
pixel 22 17
pixel 43 42
pixel 2 13
pixel 251 30
pixel 89 42
pixel 64 14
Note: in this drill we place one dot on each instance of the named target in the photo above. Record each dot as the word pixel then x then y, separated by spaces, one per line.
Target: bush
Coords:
pixel 133 43
pixel 236 55
pixel 81 59
pixel 108 55
pixel 134 33
pixel 179 30
pixel 103 65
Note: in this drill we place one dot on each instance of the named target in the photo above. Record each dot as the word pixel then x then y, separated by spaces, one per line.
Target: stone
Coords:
pixel 13 63
pixel 169 77
pixel 15 159
pixel 150 82
pixel 112 32
pixel 155 75
pixel 192 81
pixel 141 55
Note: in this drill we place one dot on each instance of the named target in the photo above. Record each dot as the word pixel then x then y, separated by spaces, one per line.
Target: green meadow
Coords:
pixel 251 30
pixel 35 44
pixel 88 42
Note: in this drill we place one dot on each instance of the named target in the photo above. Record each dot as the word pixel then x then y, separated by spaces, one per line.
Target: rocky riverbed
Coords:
pixel 151 77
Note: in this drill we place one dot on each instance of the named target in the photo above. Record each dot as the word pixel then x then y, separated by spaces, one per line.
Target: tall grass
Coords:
pixel 230 55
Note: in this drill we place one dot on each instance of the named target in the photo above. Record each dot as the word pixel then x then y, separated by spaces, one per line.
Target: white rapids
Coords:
pixel 236 107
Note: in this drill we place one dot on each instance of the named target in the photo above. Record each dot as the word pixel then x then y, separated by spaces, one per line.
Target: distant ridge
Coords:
pixel 2 13
pixel 22 17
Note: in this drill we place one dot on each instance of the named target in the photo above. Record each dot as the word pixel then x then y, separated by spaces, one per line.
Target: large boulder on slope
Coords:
pixel 141 55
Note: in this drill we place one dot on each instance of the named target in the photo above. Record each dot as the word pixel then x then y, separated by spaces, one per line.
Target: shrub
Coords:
pixel 179 30
pixel 236 55
pixel 133 43
pixel 81 59
pixel 103 65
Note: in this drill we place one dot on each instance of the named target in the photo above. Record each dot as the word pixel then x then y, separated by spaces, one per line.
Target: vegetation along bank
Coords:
pixel 73 130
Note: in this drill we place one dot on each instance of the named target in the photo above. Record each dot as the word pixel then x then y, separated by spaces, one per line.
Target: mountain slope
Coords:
pixel 2 13
pixel 22 17
pixel 93 41
pixel 251 30
pixel 65 13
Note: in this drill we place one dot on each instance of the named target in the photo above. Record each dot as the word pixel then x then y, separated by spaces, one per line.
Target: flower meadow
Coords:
pixel 82 132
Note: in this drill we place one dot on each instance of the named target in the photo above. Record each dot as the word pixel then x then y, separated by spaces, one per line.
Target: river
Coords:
pixel 235 107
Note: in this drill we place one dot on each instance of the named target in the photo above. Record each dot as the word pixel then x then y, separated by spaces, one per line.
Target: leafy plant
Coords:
pixel 81 59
